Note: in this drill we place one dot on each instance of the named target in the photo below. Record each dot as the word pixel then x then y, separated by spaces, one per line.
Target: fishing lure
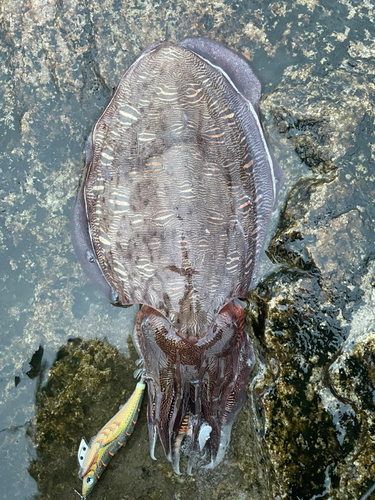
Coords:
pixel 93 458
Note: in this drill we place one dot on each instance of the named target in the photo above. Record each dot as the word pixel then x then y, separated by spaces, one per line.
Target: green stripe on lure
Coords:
pixel 93 458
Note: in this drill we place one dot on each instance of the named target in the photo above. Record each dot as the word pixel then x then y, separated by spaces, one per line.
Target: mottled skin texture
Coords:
pixel 177 194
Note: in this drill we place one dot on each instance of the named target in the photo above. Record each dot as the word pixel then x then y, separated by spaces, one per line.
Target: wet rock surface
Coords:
pixel 317 309
pixel 307 429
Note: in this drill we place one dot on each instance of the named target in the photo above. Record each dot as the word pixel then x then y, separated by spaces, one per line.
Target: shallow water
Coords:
pixel 60 62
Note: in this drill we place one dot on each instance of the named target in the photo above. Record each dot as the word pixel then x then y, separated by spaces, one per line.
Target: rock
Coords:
pixel 307 427
pixel 318 422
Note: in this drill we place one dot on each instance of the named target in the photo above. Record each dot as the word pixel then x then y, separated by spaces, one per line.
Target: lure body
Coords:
pixel 94 457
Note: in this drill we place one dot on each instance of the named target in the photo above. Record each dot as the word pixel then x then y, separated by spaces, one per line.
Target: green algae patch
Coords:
pixel 86 385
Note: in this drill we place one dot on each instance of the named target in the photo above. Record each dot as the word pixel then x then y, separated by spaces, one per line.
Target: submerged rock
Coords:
pixel 317 320
pixel 88 382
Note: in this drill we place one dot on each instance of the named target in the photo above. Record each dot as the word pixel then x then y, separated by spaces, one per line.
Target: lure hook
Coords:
pixel 79 494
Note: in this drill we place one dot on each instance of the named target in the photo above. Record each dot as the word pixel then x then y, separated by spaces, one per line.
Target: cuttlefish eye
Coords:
pixel 195 389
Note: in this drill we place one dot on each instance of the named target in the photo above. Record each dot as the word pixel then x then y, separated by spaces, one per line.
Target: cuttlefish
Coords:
pixel 171 214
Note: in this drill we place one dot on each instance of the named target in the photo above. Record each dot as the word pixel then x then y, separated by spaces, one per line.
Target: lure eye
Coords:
pixel 88 480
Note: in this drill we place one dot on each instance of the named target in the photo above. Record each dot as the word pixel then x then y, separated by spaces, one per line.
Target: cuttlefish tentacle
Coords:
pixel 183 431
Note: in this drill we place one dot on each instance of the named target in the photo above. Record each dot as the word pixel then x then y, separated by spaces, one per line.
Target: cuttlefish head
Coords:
pixel 196 387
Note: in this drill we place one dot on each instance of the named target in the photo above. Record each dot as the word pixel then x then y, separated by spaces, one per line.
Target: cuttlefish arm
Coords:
pixel 93 458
